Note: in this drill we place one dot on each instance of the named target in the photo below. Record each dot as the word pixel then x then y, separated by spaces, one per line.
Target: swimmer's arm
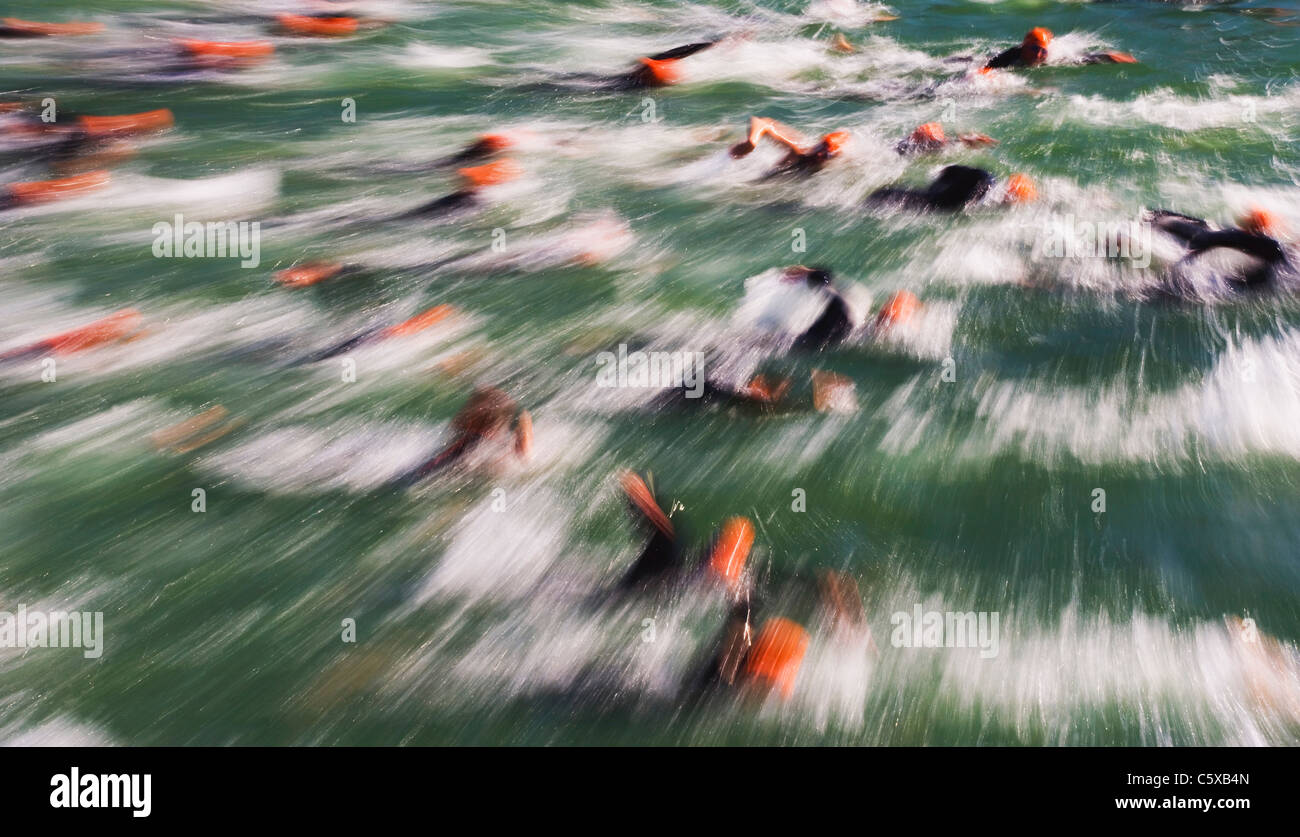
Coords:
pixel 682 51
pixel 448 455
pixel 1109 58
pixel 760 127
pixel 973 140
pixel 1007 58
pixel 1258 246
pixel 1183 227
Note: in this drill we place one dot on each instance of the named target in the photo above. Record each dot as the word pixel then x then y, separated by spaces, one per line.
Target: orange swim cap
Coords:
pixel 1261 222
pixel 308 274
pixel 490 174
pixel 1020 189
pixel 420 322
pixel 929 132
pixel 494 142
pixel 731 550
pixel 777 654
pixel 639 495
pixel 317 26
pixel 899 309
pixel 115 326
pixel 241 50
pixel 835 140
pixel 43 191
pixel 1038 36
pixel 663 72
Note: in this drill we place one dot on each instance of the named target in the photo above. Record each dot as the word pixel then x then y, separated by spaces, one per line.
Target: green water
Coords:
pixel 477 626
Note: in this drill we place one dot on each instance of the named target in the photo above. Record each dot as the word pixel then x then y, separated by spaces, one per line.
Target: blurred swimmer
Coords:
pixel 1032 52
pixel 802 157
pixel 490 418
pixel 1257 235
pixel 662 69
pixel 929 138
pixel 956 188
pixel 122 326
pixel 664 562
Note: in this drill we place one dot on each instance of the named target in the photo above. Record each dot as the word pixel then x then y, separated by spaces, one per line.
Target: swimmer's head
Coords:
pixel 1034 48
pixel 486 413
pixel 490 174
pixel 1021 189
pixel 730 551
pixel 819 277
pixel 900 309
pixel 1261 222
pixel 833 142
pixel 660 73
pixel 777 655
pixel 931 133
pixel 493 142
pixel 1038 36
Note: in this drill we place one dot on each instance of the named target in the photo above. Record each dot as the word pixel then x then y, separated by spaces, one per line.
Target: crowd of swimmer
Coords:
pixel 754 651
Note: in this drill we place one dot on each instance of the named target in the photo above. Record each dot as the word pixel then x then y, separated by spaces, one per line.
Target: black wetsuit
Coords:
pixel 460 201
pixel 955 188
pixel 643 77
pixel 1198 237
pixel 444 458
pixel 1014 57
pixel 925 146
pixel 659 562
pixel 799 164
pixel 827 330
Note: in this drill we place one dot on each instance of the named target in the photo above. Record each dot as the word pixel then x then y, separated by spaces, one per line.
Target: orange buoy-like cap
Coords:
pixel 835 140
pixel 490 174
pixel 494 142
pixel 38 28
pixel 929 132
pixel 42 191
pixel 1038 36
pixel 662 72
pixel 1021 189
pixel 1261 222
pixel 113 327
pixel 420 321
pixel 243 50
pixel 899 309
pixel 777 654
pixel 133 123
pixel 327 27
pixel 731 550
pixel 308 274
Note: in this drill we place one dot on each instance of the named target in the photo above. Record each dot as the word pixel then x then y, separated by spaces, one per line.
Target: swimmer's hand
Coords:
pixel 977 139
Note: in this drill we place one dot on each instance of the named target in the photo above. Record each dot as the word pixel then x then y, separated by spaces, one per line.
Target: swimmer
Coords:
pixel 489 416
pixel 122 326
pixel 802 157
pixel 664 562
pixel 474 179
pixel 419 323
pixel 1032 52
pixel 956 188
pixel 929 138
pixel 1258 235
